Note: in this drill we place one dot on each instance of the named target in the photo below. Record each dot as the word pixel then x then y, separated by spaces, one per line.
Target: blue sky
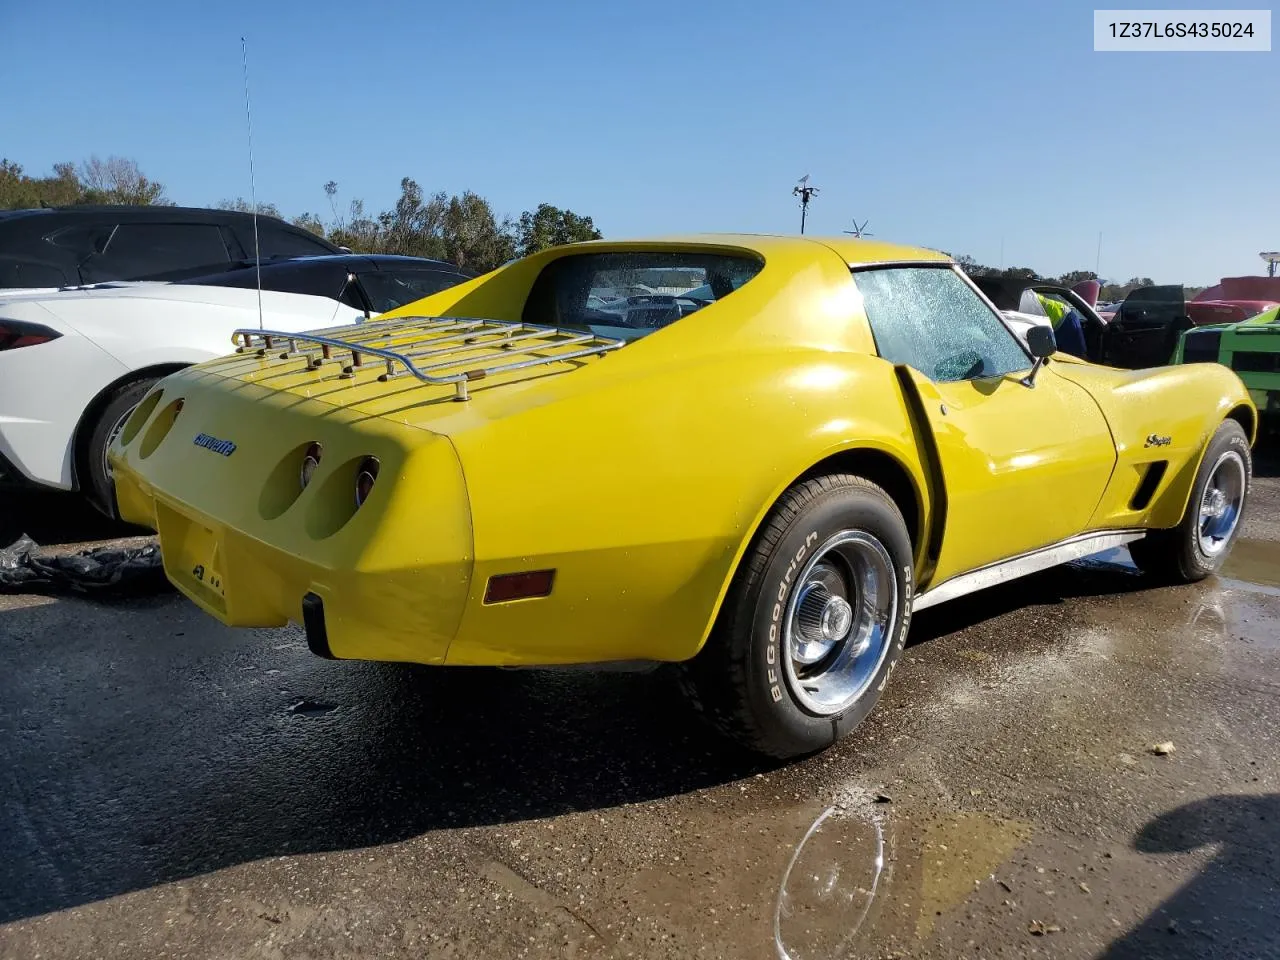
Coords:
pixel 961 126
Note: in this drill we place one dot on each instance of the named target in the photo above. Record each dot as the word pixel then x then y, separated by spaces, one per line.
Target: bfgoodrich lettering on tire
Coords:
pixel 1198 545
pixel 814 622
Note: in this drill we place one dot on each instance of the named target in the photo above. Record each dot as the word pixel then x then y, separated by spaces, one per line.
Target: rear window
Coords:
pixel 628 295
pixel 286 243
pixel 392 288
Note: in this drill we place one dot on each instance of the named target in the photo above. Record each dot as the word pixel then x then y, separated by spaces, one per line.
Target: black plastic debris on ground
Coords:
pixel 108 570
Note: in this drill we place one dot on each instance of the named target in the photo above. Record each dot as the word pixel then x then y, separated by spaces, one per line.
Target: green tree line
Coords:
pixel 463 229
pixel 113 180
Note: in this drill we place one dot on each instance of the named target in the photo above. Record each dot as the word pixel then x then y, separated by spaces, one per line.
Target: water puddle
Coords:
pixel 957 854
pixel 1253 564
pixel 863 877
pixel 831 883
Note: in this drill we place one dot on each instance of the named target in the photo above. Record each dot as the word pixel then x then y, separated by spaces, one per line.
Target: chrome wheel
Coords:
pixel 111 438
pixel 1220 504
pixel 838 625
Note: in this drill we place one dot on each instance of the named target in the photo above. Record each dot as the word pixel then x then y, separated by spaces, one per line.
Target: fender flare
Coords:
pixel 921 537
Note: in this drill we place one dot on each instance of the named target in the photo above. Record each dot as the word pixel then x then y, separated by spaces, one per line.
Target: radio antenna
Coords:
pixel 253 190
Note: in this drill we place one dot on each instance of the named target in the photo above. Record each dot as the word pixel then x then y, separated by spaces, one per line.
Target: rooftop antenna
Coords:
pixel 860 231
pixel 1271 259
pixel 253 190
pixel 804 191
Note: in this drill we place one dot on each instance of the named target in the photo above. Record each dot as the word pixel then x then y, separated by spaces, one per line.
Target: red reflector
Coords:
pixel 519 586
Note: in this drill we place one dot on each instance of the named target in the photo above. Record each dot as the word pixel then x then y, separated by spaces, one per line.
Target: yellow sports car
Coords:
pixel 751 455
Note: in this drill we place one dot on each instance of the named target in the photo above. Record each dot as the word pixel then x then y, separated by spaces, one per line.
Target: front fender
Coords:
pixel 1160 414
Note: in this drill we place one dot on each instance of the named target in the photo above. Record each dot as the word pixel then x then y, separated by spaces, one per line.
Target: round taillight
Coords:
pixel 310 461
pixel 365 478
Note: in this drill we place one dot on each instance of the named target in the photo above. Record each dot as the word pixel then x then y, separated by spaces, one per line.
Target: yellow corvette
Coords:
pixel 755 456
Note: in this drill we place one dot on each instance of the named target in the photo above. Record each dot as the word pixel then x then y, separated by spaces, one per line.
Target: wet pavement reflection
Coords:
pixel 172 788
pixel 830 884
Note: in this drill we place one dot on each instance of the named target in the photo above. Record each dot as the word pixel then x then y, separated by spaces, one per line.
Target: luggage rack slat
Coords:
pixel 465 334
pixel 514 352
pixel 522 331
pixel 381 329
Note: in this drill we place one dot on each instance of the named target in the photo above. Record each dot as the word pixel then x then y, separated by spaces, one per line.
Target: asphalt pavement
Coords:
pixel 1072 765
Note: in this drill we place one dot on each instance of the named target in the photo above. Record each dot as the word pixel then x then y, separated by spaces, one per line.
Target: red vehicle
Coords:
pixel 1234 299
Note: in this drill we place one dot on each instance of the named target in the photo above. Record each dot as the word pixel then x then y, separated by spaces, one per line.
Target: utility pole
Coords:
pixel 804 190
pixel 1097 264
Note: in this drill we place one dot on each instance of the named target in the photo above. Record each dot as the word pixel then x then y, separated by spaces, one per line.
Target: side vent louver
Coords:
pixel 1147 486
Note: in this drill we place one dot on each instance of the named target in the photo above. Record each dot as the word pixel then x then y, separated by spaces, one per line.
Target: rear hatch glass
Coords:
pixel 630 294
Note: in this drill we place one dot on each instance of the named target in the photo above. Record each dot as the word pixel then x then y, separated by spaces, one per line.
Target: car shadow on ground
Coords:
pixel 138 756
pixel 143 746
pixel 54 518
pixel 157 747
pixel 1228 909
pixel 1089 578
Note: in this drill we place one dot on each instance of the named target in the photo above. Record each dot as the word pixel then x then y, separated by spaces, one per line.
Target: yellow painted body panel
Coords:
pixel 1184 403
pixel 1023 468
pixel 392 575
pixel 639 476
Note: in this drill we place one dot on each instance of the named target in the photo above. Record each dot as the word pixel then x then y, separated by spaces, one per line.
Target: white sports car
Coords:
pixel 74 362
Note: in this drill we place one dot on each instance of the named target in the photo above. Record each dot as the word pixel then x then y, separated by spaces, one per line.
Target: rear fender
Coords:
pixel 648 584
pixel 887 429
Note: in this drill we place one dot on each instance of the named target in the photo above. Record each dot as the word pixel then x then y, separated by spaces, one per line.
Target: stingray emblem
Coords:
pixel 1155 440
pixel 224 447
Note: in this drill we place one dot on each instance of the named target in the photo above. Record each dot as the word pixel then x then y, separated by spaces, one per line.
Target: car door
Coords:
pixel 1145 329
pixel 1022 466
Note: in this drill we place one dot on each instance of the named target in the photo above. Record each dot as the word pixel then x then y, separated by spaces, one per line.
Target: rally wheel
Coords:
pixel 814 622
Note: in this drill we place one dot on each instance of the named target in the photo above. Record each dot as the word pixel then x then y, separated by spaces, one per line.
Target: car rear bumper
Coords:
pixel 407 613
pixel 213 465
pixel 216 474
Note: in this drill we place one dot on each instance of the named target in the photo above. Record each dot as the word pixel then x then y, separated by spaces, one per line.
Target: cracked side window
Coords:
pixel 930 319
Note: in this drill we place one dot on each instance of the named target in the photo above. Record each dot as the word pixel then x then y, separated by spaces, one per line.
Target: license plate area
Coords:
pixel 193 556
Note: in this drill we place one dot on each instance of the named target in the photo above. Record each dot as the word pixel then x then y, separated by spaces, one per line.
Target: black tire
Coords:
pixel 95 482
pixel 739 680
pixel 1176 555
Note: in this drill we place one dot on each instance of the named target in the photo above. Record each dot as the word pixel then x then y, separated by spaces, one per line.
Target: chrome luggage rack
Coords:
pixel 432 337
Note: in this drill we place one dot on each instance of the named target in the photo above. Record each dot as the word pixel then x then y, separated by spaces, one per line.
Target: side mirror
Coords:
pixel 1042 344
pixel 1041 341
